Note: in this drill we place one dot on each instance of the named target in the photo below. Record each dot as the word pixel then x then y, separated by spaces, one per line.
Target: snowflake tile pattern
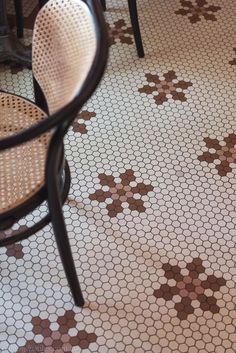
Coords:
pixel 162 89
pixel 190 288
pixel 187 212
pixel 223 152
pixel 195 9
pixel 121 192
pixel 119 32
pixel 58 340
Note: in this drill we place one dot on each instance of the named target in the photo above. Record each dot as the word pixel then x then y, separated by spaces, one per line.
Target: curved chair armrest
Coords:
pixel 37 129
pixel 66 115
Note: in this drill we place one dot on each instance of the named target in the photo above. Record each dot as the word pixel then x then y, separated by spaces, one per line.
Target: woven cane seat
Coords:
pixel 22 167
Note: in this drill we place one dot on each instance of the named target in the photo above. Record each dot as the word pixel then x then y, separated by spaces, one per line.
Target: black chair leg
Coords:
pixel 42 3
pixel 104 5
pixel 55 208
pixel 135 24
pixel 19 18
pixel 40 100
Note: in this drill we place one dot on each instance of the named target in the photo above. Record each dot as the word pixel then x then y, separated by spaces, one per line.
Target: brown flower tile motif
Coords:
pixel 121 192
pixel 119 32
pixel 190 288
pixel 233 61
pixel 161 88
pixel 15 250
pixel 196 10
pixel 225 154
pixel 59 340
pixel 80 127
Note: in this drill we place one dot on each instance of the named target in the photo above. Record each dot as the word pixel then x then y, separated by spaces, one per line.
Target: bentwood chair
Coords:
pixel 135 24
pixel 19 18
pixel 69 58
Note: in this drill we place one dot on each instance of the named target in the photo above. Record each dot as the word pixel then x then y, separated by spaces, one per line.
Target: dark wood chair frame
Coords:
pixel 57 173
pixel 135 24
pixel 133 17
pixel 20 17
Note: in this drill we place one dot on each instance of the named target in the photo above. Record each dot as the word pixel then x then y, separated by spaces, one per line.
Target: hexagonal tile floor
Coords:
pixel 151 212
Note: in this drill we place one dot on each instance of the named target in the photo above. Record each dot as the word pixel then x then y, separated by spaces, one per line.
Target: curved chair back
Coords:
pixel 69 57
pixel 64 48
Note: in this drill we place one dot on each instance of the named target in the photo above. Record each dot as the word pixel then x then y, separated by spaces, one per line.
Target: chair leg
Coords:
pixel 136 29
pixel 55 208
pixel 104 6
pixel 40 100
pixel 42 3
pixel 19 18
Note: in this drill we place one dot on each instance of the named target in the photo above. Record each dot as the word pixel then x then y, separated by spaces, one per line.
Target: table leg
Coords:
pixel 11 49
